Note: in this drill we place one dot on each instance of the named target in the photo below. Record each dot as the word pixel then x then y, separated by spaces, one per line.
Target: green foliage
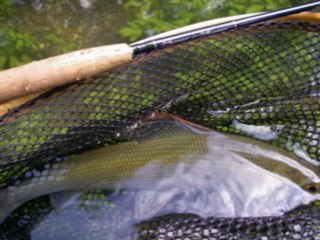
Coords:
pixel 6 9
pixel 152 17
pixel 16 46
pixel 27 34
pixel 159 16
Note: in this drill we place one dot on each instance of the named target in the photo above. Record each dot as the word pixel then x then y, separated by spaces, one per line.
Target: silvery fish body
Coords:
pixel 185 170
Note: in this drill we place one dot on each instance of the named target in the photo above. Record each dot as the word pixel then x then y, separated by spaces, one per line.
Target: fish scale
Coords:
pixel 163 156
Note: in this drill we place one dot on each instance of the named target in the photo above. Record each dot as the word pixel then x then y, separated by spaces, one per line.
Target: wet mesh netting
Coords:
pixel 265 76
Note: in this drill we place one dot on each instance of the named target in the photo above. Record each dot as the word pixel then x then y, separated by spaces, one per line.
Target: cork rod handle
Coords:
pixel 62 69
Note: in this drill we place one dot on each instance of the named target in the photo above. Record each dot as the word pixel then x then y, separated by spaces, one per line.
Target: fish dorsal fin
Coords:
pixel 161 127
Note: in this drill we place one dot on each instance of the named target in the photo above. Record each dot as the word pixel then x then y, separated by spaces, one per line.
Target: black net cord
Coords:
pixel 160 43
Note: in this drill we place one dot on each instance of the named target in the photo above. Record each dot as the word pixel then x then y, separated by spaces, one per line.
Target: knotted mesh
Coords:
pixel 262 81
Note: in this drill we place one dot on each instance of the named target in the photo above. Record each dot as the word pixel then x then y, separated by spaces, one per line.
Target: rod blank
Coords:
pixel 160 43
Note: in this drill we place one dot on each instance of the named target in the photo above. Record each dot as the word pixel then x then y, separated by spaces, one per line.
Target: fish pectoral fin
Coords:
pixel 63 200
pixel 147 204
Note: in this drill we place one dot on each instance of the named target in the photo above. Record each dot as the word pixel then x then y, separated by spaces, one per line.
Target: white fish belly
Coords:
pixel 223 184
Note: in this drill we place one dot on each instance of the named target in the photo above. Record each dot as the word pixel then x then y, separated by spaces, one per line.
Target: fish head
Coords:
pixel 312 187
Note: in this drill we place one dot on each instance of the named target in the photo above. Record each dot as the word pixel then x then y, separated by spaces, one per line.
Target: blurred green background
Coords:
pixel 35 29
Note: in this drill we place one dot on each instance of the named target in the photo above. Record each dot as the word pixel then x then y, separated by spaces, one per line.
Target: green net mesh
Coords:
pixel 265 75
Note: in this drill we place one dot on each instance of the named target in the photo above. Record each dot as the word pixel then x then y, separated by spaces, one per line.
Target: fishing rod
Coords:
pixel 43 75
pixel 163 42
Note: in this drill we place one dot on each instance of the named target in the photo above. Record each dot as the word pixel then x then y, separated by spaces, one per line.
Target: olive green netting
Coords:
pixel 263 75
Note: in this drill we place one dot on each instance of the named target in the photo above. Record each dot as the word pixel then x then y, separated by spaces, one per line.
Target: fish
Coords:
pixel 165 152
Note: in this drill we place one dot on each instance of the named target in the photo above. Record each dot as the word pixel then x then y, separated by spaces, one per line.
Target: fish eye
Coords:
pixel 312 188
